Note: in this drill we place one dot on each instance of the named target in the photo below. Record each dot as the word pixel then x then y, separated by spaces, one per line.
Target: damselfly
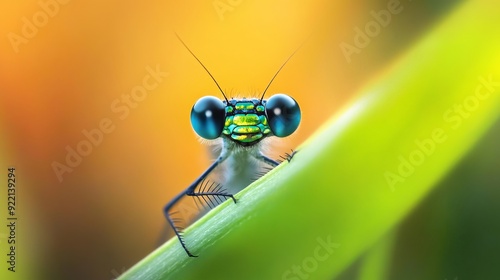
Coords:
pixel 242 124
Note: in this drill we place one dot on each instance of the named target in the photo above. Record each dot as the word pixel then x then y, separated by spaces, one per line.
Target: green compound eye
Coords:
pixel 207 117
pixel 283 114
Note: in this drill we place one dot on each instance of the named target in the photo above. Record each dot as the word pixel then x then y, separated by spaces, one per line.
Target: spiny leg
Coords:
pixel 211 193
pixel 273 163
pixel 166 210
pixel 174 221
pixel 190 191
pixel 267 160
pixel 288 156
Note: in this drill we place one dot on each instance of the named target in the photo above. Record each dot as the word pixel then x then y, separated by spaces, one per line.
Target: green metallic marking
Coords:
pixel 247 129
pixel 246 138
pixel 248 119
pixel 263 120
pixel 229 121
pixel 264 128
pixel 246 126
pixel 244 106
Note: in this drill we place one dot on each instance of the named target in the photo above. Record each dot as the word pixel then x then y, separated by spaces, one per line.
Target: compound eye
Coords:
pixel 283 114
pixel 208 116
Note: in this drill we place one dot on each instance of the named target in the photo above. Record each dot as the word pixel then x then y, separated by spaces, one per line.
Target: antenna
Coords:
pixel 204 67
pixel 283 65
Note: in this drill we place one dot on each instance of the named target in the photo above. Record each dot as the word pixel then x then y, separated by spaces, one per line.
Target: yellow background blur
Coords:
pixel 106 214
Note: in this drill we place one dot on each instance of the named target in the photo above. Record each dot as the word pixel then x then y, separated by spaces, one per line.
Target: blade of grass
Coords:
pixel 377 259
pixel 314 216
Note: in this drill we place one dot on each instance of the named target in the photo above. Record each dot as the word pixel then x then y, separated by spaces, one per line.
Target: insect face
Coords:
pixel 245 121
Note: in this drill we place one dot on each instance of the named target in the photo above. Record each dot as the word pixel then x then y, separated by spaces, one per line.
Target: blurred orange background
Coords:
pixel 106 214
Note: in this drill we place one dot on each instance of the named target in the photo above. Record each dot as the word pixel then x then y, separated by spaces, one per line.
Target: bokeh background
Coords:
pixel 104 215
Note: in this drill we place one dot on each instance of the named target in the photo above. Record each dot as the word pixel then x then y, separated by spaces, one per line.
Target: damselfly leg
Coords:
pixel 206 194
pixel 197 190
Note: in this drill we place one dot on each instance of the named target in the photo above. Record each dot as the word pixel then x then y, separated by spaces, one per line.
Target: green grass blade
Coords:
pixel 314 216
pixel 376 261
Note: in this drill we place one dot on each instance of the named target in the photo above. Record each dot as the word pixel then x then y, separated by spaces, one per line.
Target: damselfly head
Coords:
pixel 245 121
